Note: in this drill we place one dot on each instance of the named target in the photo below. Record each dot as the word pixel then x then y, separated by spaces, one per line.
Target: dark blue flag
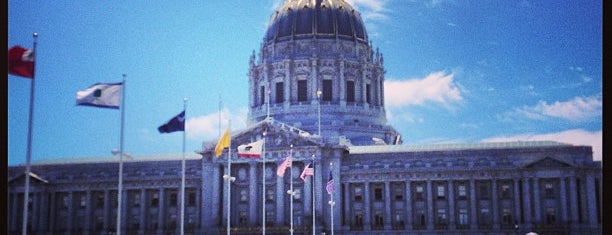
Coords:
pixel 177 123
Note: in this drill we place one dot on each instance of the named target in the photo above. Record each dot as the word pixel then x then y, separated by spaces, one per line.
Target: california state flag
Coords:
pixel 21 62
pixel 252 150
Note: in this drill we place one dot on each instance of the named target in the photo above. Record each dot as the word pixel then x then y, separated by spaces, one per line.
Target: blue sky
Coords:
pixel 457 71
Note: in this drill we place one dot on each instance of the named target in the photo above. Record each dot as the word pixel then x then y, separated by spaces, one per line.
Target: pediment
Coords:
pixel 278 136
pixel 34 180
pixel 548 162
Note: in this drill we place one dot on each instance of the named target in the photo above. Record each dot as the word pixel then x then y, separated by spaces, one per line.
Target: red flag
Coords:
pixel 21 62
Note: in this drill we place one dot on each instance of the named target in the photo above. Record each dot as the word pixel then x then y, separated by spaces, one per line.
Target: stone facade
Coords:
pixel 381 187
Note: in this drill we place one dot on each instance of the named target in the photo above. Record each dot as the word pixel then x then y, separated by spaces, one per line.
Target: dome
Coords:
pixel 315 18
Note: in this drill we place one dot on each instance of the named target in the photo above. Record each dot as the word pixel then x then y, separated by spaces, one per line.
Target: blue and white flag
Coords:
pixel 177 123
pixel 103 95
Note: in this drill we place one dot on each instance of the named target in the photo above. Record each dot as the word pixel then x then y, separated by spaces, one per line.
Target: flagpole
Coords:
pixel 331 203
pixel 263 180
pixel 183 175
pixel 291 193
pixel 313 195
pixel 24 226
pixel 229 177
pixel 120 187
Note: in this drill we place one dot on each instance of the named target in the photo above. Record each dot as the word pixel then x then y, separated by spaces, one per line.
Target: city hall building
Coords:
pixel 316 94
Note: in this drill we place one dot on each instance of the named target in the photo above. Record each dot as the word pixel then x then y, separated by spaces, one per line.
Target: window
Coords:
pixel 378 219
pixel 420 217
pixel 173 199
pixel 378 194
pixel 463 216
pixel 358 218
pixel 298 194
pixel 136 199
pixel 270 216
pixel 483 191
pixel 350 91
pixel 368 97
pixel 358 194
pixel 65 201
pixel 244 195
pixel 505 191
pixel 399 194
pixel 462 191
pixel 100 201
pixel 551 217
pixel 269 194
pixel 399 217
pixel 327 90
pixel 485 215
pixel 242 218
pixel 83 201
pixel 441 216
pixel 191 200
pixel 280 92
pixel 440 191
pixel 506 216
pixel 549 190
pixel 302 94
pixel 262 94
pixel 155 199
pixel 419 192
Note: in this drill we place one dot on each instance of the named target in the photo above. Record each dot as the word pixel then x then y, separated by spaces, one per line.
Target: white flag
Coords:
pixel 103 95
pixel 252 150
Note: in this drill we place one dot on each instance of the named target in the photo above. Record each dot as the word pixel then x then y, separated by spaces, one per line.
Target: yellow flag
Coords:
pixel 223 143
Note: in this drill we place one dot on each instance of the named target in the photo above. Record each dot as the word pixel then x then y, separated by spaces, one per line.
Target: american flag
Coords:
pixel 308 171
pixel 286 163
pixel 330 184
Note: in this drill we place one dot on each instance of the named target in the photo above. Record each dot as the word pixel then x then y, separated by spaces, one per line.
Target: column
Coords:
pixel 212 191
pixel 526 201
pixel 161 211
pixel 517 201
pixel 409 213
pixel 563 199
pixel 52 206
pixel 451 205
pixel 224 199
pixel 388 203
pixel 44 215
pixel 347 204
pixel 13 214
pixel 367 224
pixel 495 204
pixel 106 211
pixel 313 81
pixel 591 206
pixel 473 201
pixel 143 215
pixel 342 84
pixel 287 83
pixel 573 203
pixel 307 194
pixel 280 201
pixel 88 211
pixel 430 207
pixel 36 214
pixel 536 201
pixel 70 210
pixel 253 196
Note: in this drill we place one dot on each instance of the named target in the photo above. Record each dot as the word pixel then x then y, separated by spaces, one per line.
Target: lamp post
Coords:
pixel 319 112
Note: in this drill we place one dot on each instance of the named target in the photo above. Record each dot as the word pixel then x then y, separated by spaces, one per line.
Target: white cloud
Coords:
pixel 436 87
pixel 207 127
pixel 577 109
pixel 370 9
pixel 574 137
